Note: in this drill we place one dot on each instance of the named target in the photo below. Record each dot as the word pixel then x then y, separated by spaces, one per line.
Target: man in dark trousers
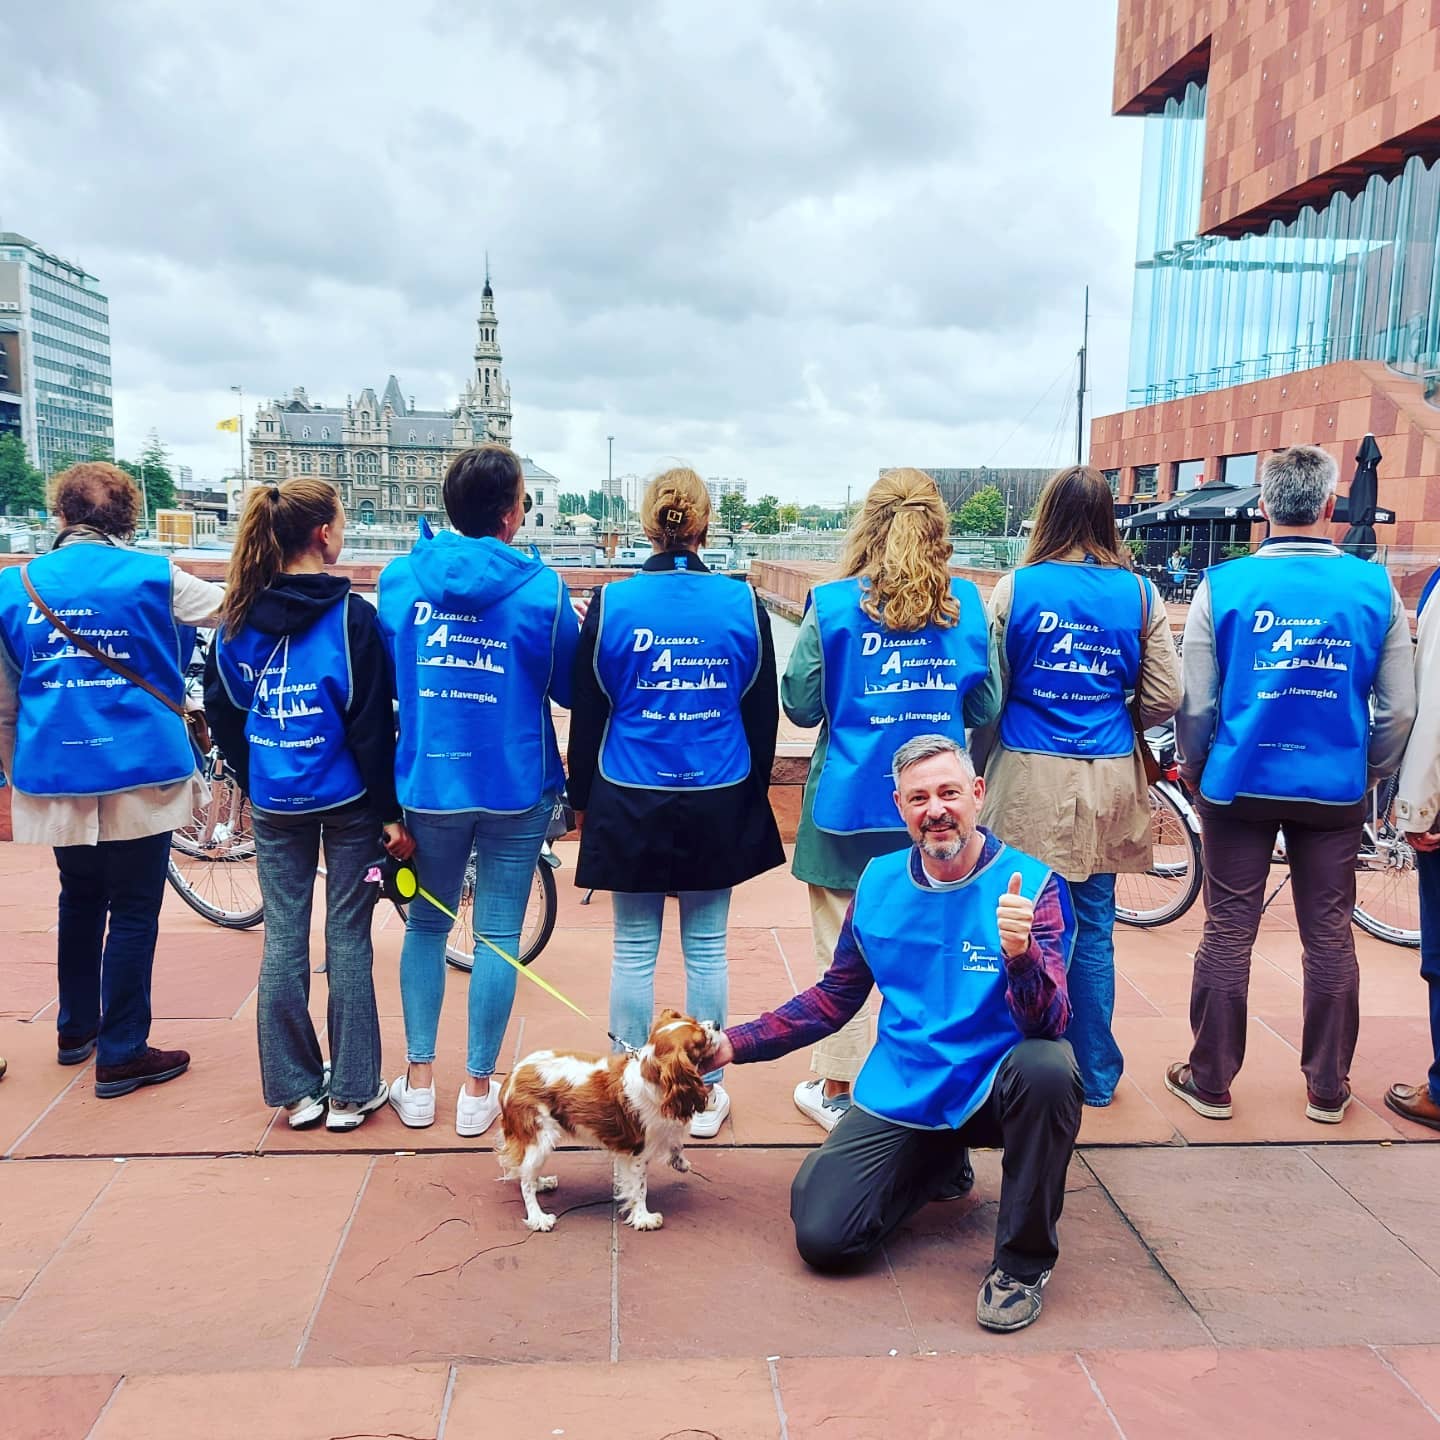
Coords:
pixel 967 942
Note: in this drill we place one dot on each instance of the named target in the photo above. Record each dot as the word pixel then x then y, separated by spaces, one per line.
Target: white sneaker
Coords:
pixel 475 1114
pixel 706 1125
pixel 825 1110
pixel 415 1107
pixel 308 1110
pixel 347 1114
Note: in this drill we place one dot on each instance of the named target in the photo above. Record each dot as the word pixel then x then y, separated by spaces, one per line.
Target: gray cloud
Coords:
pixel 791 242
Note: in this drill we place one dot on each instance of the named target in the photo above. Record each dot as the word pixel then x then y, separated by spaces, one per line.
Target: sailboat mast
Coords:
pixel 1080 391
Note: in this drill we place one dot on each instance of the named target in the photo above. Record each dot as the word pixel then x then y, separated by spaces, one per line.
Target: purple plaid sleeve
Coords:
pixel 1038 996
pixel 812 1014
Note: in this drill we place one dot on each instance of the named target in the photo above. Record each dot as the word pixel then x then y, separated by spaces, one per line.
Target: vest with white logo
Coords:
pixel 883 687
pixel 296 690
pixel 676 652
pixel 944 1027
pixel 82 729
pixel 1073 643
pixel 473 683
pixel 1298 640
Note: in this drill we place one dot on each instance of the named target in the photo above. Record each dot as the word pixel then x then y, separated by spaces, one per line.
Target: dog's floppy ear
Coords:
pixel 682 1087
pixel 665 1017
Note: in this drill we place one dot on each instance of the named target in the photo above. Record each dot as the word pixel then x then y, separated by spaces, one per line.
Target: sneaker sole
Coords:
pixel 1329 1117
pixel 422 1124
pixel 827 1120
pixel 1199 1106
pixel 348 1122
pixel 707 1133
pixel 111 1089
pixel 469 1132
pixel 302 1119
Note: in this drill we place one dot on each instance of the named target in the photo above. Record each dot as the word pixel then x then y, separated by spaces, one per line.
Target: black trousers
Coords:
pixel 871 1175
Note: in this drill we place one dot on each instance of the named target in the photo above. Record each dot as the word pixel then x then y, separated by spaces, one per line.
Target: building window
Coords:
pixel 269 427
pixel 324 432
pixel 1112 479
pixel 409 467
pixel 304 432
pixel 270 462
pixel 324 464
pixel 539 497
pixel 340 464
pixel 432 466
pixel 539 521
pixel 367 512
pixel 1146 482
pixel 412 496
pixel 307 465
pixel 1188 476
pixel 412 437
pixel 431 497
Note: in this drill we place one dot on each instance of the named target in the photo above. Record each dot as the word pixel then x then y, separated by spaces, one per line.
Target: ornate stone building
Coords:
pixel 389 458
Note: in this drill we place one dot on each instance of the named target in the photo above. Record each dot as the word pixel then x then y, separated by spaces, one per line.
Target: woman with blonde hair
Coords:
pixel 896 647
pixel 1076 631
pixel 672 737
pixel 297 688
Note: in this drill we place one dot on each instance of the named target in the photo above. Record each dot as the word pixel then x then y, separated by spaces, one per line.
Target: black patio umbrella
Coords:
pixel 1359 539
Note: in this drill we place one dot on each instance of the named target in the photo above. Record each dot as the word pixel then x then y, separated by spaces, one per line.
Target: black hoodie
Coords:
pixel 293 603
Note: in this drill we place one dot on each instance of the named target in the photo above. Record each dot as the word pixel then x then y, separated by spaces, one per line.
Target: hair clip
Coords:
pixel 673 516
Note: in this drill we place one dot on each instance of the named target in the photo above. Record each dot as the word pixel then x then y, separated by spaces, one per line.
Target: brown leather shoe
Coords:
pixel 75 1049
pixel 149 1067
pixel 1414 1103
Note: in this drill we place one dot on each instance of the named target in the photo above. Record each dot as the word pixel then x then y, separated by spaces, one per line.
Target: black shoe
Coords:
pixel 149 1067
pixel 75 1049
pixel 961 1183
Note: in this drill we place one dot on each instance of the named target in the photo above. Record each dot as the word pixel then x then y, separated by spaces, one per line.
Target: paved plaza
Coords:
pixel 176 1263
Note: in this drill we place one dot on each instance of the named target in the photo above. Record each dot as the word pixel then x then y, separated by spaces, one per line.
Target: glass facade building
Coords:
pixel 64 324
pixel 1354 280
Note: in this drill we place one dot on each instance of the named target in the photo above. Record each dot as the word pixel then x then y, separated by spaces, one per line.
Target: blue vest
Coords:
pixel 296 689
pixel 473 681
pixel 1298 639
pixel 82 729
pixel 1073 642
pixel 676 652
pixel 1427 591
pixel 944 1026
pixel 881 688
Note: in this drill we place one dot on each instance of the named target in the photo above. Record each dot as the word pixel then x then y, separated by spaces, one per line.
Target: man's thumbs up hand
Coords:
pixel 1015 915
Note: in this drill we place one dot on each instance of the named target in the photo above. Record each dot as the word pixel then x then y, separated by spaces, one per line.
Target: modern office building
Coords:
pixel 720 486
pixel 56 352
pixel 388 457
pixel 1020 486
pixel 1287 282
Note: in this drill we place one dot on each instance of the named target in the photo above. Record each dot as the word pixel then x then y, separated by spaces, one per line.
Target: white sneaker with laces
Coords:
pixel 308 1109
pixel 347 1114
pixel 706 1125
pixel 825 1110
pixel 475 1114
pixel 414 1106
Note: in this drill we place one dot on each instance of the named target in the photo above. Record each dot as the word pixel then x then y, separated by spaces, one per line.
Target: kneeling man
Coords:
pixel 967 941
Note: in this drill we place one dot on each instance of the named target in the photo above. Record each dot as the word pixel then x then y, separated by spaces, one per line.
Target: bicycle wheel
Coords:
pixel 1169 887
pixel 212 859
pixel 535 931
pixel 1387 885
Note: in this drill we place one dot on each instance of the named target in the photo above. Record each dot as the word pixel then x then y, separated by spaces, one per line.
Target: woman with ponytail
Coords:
pixel 297 688
pixel 895 648
pixel 1077 630
pixel 672 737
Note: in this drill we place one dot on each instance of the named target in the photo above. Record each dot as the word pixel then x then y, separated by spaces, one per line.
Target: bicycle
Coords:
pixel 1387 888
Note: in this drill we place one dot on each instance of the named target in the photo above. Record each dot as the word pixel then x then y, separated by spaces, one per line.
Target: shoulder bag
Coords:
pixel 1147 755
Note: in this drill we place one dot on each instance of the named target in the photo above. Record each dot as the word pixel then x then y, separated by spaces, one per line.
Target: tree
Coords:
pixel 571 502
pixel 764 515
pixel 22 486
pixel 982 514
pixel 789 515
pixel 152 472
pixel 733 510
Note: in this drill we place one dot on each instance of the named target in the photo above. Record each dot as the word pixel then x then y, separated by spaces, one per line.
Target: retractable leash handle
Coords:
pixel 399 883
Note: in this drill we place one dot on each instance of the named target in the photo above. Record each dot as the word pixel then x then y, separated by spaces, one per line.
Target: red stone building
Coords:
pixel 1288 287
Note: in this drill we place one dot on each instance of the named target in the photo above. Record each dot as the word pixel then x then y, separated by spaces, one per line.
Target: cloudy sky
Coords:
pixel 793 241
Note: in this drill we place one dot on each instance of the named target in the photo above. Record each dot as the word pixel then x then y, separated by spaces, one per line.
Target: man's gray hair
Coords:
pixel 926 747
pixel 1296 483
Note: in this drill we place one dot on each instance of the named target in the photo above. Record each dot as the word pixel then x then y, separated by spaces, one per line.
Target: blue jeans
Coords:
pixel 1427 866
pixel 506 848
pixel 1092 988
pixel 109 920
pixel 704 915
pixel 287 854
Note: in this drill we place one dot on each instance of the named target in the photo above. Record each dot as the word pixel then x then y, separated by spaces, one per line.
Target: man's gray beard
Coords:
pixel 947 851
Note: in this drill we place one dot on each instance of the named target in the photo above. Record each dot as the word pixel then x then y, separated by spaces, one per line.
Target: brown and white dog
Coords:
pixel 637 1105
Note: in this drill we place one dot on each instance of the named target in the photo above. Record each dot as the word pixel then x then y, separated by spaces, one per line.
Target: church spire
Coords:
pixel 487 397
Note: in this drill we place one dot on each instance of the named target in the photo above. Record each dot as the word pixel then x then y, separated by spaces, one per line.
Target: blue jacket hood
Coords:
pixel 452 570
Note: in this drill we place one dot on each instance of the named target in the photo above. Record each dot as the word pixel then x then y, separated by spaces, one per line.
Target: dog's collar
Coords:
pixel 628 1049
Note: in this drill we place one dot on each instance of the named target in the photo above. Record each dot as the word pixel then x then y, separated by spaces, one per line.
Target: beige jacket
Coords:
pixel 1081 817
pixel 1418 802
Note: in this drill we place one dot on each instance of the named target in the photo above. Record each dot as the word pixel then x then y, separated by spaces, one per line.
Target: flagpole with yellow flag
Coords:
pixel 237 424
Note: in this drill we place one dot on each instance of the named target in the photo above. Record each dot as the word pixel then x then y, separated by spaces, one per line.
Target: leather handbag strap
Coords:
pixel 94 651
